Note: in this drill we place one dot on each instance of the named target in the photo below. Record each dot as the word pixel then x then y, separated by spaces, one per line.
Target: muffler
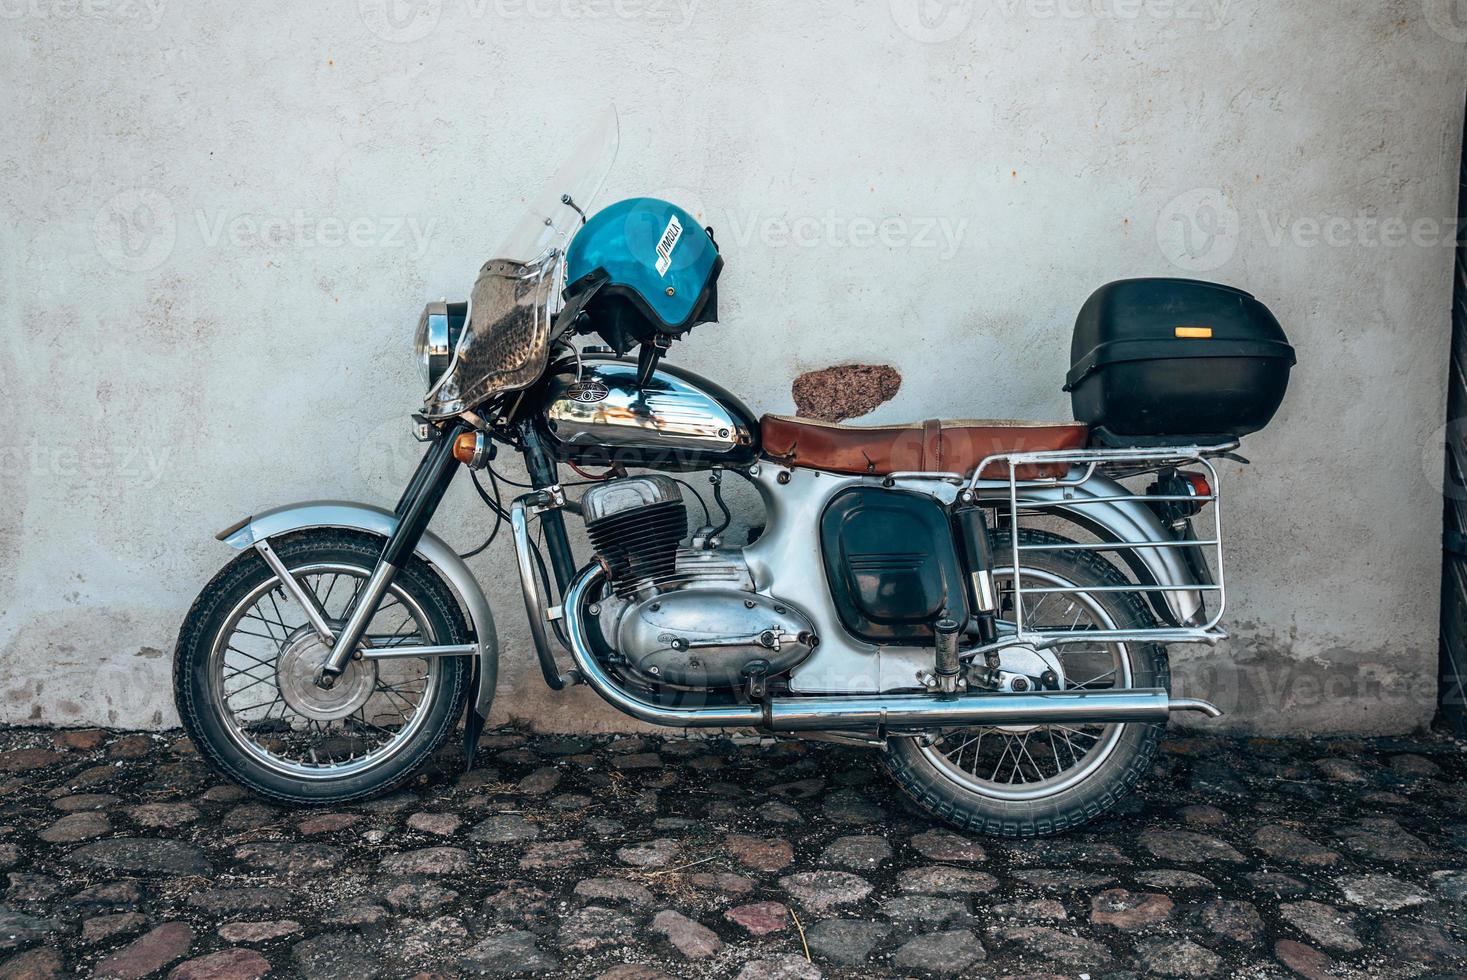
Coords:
pixel 873 711
pixel 934 711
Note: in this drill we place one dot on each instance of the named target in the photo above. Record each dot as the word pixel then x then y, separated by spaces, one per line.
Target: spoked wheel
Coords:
pixel 246 665
pixel 1027 780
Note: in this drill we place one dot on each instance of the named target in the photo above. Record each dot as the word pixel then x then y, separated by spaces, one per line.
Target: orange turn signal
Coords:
pixel 464 447
pixel 1195 333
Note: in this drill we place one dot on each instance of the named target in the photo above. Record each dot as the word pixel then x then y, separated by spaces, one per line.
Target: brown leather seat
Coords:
pixel 933 445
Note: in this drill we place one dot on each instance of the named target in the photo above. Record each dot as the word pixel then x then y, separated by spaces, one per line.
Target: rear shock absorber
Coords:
pixel 971 529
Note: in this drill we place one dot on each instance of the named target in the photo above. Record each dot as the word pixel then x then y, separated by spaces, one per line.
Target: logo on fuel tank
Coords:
pixel 587 392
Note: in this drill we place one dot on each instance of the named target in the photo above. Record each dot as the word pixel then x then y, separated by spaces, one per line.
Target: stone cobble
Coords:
pixel 638 857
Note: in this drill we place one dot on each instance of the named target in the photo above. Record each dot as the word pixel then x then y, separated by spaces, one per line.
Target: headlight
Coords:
pixel 438 330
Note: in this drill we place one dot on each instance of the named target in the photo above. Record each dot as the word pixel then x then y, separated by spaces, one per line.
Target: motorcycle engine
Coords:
pixel 689 619
pixel 635 525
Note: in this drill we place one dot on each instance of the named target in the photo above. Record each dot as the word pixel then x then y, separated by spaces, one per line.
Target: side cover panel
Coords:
pixel 891 564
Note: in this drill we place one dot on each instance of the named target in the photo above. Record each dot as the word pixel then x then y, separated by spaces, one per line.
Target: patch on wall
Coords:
pixel 846 391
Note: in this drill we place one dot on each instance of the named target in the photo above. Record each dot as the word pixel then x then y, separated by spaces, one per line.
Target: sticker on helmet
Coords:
pixel 667 243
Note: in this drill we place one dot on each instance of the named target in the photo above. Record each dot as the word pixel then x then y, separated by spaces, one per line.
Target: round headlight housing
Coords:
pixel 437 336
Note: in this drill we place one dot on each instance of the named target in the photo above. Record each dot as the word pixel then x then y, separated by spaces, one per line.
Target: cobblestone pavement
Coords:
pixel 635 857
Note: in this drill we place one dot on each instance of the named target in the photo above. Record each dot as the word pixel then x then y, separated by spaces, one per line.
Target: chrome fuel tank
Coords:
pixel 677 421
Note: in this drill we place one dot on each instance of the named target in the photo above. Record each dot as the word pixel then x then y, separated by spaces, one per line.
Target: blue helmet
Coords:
pixel 644 271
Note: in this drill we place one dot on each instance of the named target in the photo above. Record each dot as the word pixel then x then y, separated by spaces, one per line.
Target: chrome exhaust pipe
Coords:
pixel 868 711
pixel 932 711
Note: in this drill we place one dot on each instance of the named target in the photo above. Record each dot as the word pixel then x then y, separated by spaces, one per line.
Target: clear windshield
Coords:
pixel 549 221
pixel 506 340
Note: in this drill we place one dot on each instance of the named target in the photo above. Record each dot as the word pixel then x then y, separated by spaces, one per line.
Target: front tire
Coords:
pixel 1022 794
pixel 245 652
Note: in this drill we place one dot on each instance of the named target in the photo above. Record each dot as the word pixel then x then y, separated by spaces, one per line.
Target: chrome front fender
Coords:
pixel 375 520
pixel 1117 522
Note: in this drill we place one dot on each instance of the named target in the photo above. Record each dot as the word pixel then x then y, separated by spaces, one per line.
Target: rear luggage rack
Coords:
pixel 1098 471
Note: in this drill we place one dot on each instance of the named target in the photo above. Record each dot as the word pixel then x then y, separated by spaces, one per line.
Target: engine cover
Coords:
pixel 705 637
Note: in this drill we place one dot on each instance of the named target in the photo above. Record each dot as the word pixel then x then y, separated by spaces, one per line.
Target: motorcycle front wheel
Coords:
pixel 1033 780
pixel 245 665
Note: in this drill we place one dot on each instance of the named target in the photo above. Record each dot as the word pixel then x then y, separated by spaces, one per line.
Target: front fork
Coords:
pixel 543 472
pixel 416 508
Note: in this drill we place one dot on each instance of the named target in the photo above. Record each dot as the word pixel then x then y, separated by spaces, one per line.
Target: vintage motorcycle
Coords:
pixel 986 603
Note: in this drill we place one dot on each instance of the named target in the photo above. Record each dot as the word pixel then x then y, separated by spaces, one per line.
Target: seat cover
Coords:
pixel 934 445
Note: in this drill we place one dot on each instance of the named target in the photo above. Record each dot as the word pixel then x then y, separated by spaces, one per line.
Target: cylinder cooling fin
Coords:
pixel 635 525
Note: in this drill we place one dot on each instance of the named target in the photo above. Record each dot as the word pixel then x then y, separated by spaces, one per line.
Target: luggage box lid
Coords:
pixel 1154 319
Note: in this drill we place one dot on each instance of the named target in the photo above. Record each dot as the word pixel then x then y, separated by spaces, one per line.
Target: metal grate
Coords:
pixel 1017 499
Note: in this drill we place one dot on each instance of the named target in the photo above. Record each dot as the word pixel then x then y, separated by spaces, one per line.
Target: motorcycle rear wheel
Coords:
pixel 1014 790
pixel 244 659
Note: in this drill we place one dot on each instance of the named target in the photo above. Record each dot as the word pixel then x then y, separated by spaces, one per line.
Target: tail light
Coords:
pixel 1181 495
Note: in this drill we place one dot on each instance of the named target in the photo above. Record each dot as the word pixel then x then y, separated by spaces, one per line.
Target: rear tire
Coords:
pixel 972 803
pixel 250 745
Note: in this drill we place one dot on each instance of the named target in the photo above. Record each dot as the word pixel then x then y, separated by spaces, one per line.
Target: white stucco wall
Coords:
pixel 221 221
